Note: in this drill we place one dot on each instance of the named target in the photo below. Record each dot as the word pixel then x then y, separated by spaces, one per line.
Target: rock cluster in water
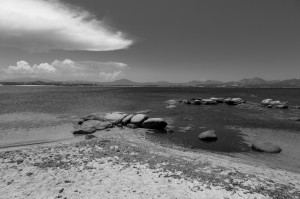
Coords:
pixel 269 103
pixel 99 121
pixel 210 101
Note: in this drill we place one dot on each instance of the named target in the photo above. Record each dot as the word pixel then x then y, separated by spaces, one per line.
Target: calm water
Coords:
pixel 29 114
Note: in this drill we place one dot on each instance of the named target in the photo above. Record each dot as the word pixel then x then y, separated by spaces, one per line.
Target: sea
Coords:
pixel 37 114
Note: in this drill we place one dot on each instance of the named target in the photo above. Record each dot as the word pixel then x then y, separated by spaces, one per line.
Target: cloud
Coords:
pixel 43 25
pixel 67 70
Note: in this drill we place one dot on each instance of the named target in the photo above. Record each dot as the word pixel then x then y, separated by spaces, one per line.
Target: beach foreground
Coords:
pixel 120 163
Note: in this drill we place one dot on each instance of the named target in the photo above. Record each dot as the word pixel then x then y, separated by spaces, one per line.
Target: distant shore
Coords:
pixel 120 163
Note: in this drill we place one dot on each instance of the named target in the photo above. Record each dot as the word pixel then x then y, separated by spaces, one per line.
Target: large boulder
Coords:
pixel 209 102
pixel 209 135
pixel 154 123
pixel 84 131
pixel 266 147
pixel 115 117
pixel 138 119
pixel 127 119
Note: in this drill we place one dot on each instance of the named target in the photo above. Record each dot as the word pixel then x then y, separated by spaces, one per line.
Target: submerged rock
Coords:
pixel 209 135
pixel 84 131
pixel 266 147
pixel 138 119
pixel 154 123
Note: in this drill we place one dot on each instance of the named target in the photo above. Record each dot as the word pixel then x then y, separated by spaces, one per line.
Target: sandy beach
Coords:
pixel 120 163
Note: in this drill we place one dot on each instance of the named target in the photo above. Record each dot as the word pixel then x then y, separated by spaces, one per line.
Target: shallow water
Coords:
pixel 47 113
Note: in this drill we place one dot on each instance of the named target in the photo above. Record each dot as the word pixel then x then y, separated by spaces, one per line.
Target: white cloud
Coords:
pixel 67 70
pixel 43 25
pixel 110 76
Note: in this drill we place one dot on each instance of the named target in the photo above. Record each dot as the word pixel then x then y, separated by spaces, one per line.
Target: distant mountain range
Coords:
pixel 251 82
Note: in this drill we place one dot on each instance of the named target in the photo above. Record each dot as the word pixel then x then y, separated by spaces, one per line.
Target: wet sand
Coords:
pixel 121 163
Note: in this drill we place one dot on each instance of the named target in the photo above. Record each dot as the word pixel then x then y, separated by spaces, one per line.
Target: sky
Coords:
pixel 157 40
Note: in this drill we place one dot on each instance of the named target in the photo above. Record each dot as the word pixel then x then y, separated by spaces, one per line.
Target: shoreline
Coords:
pixel 28 171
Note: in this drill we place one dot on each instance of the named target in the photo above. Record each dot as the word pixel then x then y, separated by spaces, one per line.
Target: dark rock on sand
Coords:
pixel 84 131
pixel 138 119
pixel 266 147
pixel 90 136
pixel 154 123
pixel 127 119
pixel 209 135
pixel 132 126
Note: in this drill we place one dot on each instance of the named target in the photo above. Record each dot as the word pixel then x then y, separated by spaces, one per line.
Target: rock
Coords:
pixel 208 102
pixel 281 106
pixel 84 131
pixel 234 101
pixel 143 112
pixel 209 135
pixel 154 123
pixel 171 106
pixel 196 102
pixel 94 116
pixel 90 136
pixel 138 119
pixel 266 102
pixel 218 99
pixel 186 101
pixel 266 147
pixel 115 117
pixel 98 125
pixel 132 126
pixel 127 119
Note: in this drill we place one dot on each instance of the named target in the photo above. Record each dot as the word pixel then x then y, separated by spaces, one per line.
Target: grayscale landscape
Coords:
pixel 149 99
